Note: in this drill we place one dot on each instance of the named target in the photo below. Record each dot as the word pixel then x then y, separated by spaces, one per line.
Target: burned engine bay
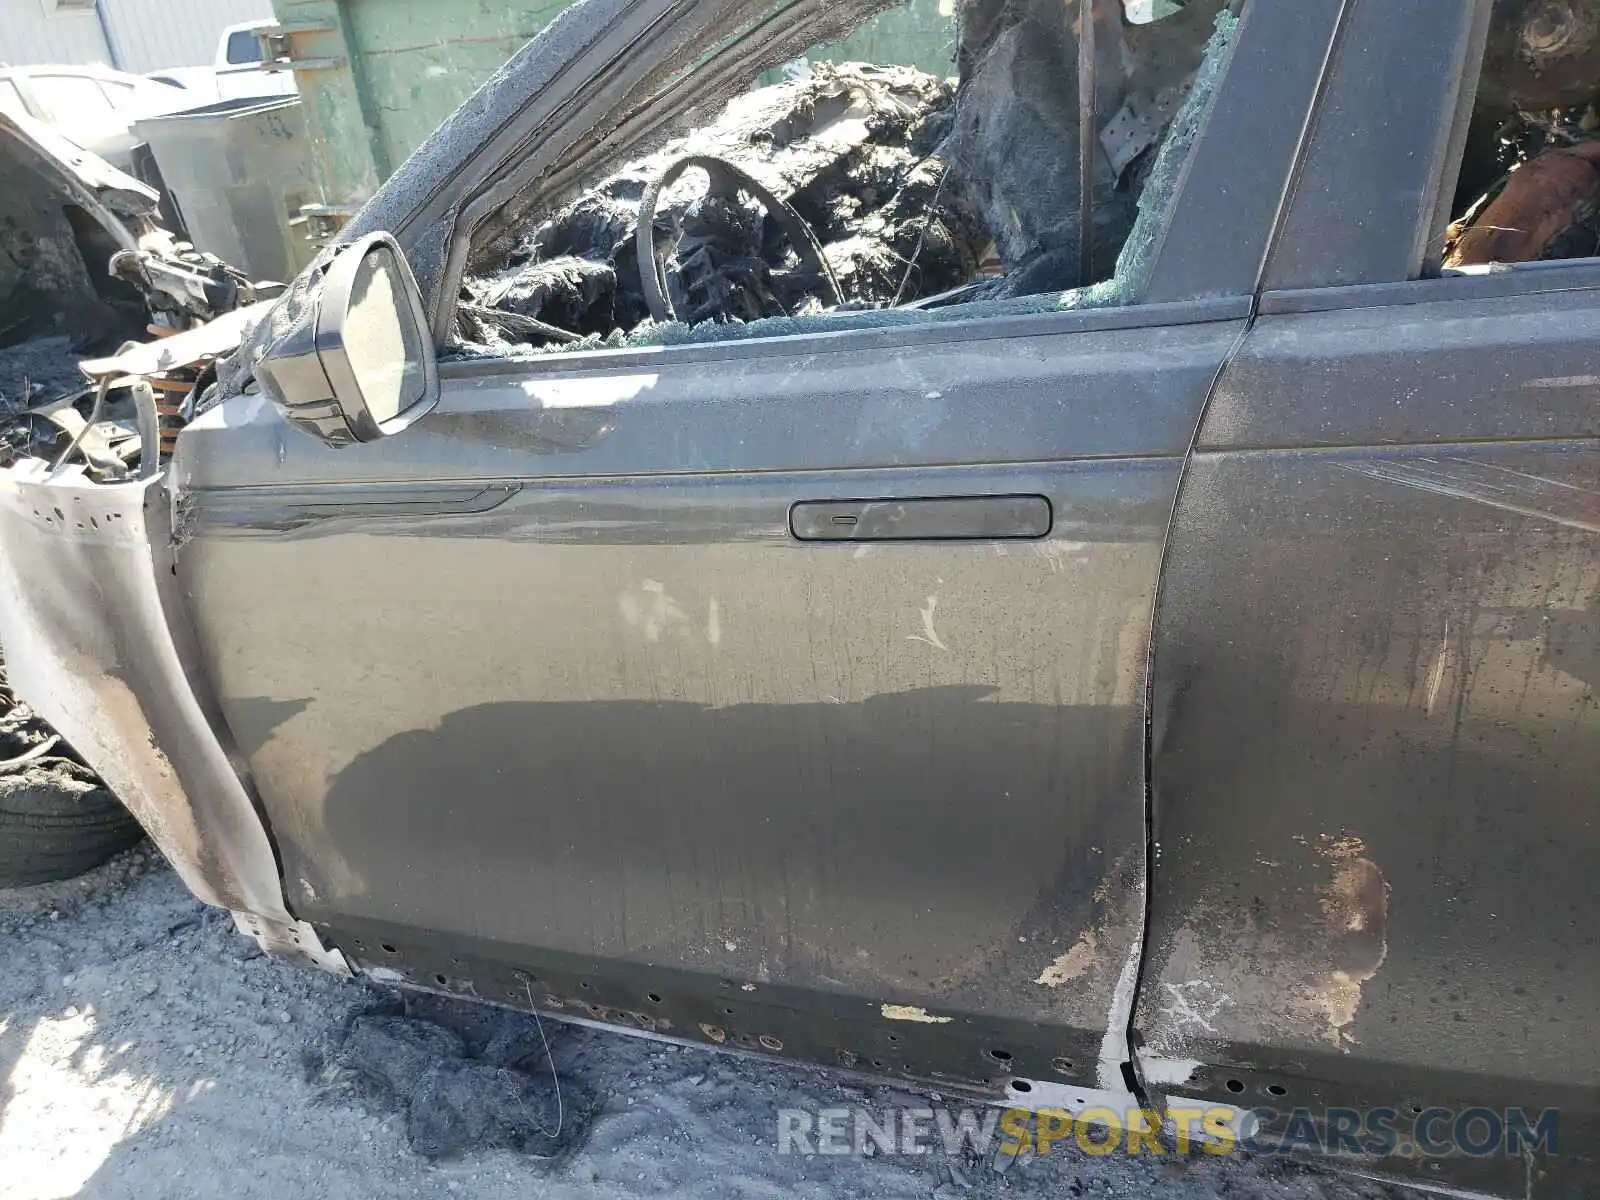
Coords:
pixel 852 186
pixel 85 271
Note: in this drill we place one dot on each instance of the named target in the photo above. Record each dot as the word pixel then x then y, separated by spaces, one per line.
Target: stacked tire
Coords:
pixel 57 819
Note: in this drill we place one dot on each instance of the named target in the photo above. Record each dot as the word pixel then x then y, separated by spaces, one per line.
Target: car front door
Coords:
pixel 786 691
pixel 591 667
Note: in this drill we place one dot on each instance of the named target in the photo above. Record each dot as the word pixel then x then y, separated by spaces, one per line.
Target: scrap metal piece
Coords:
pixel 297 941
pixel 93 438
pixel 186 349
pixel 183 286
pixel 1138 126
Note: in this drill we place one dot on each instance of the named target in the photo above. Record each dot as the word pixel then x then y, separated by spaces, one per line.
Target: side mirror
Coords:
pixel 359 365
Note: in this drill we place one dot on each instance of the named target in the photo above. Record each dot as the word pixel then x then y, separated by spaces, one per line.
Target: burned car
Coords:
pixel 1033 564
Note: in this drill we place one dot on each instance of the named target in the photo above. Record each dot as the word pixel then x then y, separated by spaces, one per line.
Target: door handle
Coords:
pixel 932 518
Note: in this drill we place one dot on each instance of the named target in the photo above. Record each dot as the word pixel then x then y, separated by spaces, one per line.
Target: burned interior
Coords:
pixel 925 165
pixel 930 160
pixel 933 162
pixel 1530 181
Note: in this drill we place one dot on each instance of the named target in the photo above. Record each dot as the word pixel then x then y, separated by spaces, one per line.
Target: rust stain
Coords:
pixel 1072 964
pixel 1356 905
pixel 911 1012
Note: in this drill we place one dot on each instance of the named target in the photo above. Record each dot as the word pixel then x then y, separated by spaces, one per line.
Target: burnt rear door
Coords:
pixel 1375 732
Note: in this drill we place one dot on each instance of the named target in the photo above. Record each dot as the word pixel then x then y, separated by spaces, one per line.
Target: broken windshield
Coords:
pixel 928 164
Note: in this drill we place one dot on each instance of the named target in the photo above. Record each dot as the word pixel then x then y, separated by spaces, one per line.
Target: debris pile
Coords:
pixel 850 149
pixel 84 269
pixel 465 1076
pixel 37 371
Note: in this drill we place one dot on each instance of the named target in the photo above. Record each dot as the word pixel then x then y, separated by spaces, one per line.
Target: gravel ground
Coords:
pixel 148 1050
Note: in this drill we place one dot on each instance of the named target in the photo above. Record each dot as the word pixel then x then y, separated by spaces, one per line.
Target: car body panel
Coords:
pixel 1373 719
pixel 97 640
pixel 1374 787
pixel 1374 734
pixel 683 741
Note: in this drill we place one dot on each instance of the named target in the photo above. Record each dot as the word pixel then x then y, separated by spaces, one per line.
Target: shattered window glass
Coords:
pixel 926 166
pixel 1529 188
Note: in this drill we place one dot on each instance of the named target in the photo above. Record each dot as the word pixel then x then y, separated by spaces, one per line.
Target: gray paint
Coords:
pixel 681 738
pixel 1374 751
pixel 1373 723
pixel 1387 134
pixel 1059 387
pixel 1243 159
pixel 1333 378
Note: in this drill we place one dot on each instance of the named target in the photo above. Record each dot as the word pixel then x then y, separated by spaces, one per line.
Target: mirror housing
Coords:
pixel 361 365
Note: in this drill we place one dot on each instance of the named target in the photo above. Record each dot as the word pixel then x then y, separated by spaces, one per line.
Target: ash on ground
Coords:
pixel 466 1077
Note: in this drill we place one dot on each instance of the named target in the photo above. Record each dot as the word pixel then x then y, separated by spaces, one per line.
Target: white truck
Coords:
pixel 236 71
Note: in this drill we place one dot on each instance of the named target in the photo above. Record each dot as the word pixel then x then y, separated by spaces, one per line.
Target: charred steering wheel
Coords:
pixel 716 277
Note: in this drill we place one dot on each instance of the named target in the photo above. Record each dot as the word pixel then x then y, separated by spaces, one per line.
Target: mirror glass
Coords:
pixel 381 338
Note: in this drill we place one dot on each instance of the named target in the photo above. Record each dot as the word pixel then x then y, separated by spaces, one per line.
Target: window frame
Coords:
pixel 1268 37
pixel 932 336
pixel 1410 272
pixel 1378 221
pixel 36 78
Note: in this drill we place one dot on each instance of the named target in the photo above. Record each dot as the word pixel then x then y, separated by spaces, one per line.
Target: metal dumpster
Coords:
pixel 238 171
